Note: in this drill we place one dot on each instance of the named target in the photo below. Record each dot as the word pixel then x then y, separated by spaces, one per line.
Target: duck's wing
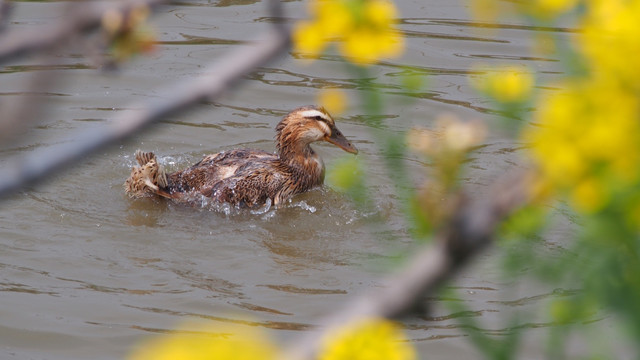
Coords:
pixel 212 169
pixel 237 156
pixel 253 183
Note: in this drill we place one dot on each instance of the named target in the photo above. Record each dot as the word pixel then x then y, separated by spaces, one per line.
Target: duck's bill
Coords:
pixel 340 141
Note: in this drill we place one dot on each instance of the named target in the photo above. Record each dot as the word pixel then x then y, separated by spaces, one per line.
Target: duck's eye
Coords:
pixel 319 118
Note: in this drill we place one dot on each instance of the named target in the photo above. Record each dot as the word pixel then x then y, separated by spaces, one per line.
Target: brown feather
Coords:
pixel 244 177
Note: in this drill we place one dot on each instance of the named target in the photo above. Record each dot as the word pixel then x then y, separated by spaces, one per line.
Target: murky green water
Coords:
pixel 86 272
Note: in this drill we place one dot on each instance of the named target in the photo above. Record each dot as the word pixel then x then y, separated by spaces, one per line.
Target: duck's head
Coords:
pixel 308 124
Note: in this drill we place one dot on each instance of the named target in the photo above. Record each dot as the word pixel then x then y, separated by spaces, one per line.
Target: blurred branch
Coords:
pixel 81 17
pixel 5 11
pixel 470 231
pixel 20 112
pixel 217 79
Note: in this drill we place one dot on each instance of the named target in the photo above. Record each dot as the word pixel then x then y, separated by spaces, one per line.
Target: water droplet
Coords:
pixel 263 209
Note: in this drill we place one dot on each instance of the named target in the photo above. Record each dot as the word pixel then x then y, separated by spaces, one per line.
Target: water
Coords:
pixel 86 272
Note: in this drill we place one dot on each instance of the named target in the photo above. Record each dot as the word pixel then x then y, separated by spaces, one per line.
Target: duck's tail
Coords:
pixel 147 179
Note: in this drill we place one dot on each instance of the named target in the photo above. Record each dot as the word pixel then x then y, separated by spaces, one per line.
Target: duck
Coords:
pixel 247 178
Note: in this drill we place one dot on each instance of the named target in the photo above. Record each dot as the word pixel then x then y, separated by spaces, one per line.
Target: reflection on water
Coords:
pixel 30 68
pixel 198 40
pixel 460 23
pixel 276 325
pixel 86 271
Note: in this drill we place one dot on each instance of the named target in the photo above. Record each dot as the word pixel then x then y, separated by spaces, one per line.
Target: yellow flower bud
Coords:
pixel 368 340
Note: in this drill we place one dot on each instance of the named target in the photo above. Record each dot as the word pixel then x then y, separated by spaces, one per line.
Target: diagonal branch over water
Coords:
pixel 470 231
pixel 81 18
pixel 219 77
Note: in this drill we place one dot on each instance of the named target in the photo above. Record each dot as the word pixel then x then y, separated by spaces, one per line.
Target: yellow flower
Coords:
pixel 200 342
pixel 335 17
pixel 512 85
pixel 553 140
pixel 368 339
pixel 610 35
pixel 309 37
pixel 360 46
pixel 366 46
pixel 586 140
pixel 506 84
pixel 589 195
pixel 334 100
pixel 379 13
pixel 363 30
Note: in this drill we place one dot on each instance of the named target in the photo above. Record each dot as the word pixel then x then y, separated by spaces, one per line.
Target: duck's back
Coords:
pixel 244 176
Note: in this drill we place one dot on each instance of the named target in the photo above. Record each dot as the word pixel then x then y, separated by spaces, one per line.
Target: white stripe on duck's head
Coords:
pixel 308 124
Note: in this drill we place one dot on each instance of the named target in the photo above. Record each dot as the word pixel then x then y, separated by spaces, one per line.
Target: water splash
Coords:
pixel 304 206
pixel 262 210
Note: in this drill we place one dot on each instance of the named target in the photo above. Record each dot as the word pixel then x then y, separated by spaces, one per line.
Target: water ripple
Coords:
pixel 11 69
pixel 276 325
pixel 200 40
pixel 478 24
pixel 299 290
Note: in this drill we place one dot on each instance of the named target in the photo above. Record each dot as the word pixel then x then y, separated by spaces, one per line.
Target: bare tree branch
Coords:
pixel 82 17
pixel 470 231
pixel 5 11
pixel 79 21
pixel 23 111
pixel 217 79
